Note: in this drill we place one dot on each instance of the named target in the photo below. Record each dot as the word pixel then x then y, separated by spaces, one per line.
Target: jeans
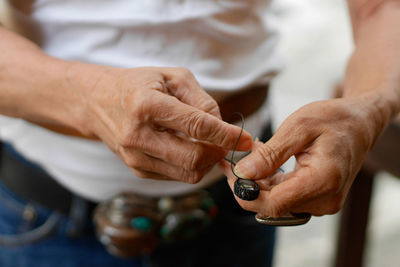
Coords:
pixel 33 235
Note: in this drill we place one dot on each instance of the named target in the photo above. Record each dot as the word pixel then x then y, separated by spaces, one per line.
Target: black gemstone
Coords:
pixel 246 189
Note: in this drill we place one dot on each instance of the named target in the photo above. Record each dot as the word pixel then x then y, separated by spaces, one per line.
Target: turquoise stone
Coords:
pixel 142 223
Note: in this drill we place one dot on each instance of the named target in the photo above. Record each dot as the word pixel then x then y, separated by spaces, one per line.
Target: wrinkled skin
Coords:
pixel 159 121
pixel 329 140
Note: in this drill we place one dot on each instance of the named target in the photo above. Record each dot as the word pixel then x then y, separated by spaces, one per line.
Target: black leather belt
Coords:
pixel 32 182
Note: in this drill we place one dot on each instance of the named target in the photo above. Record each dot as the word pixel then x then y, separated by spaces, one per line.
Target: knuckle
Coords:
pixel 268 155
pixel 139 173
pixel 275 209
pixel 196 125
pixel 194 177
pixel 333 209
pixel 219 135
pixel 305 121
pixel 225 140
pixel 185 73
pixel 209 105
pixel 305 126
pixel 334 205
pixel 194 160
pixel 142 109
pixel 132 162
pixel 159 86
pixel 127 138
pixel 202 157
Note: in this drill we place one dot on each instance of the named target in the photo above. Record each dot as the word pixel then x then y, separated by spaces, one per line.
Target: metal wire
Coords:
pixel 236 144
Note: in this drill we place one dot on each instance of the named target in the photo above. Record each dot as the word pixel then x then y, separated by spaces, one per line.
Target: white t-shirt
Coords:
pixel 227 44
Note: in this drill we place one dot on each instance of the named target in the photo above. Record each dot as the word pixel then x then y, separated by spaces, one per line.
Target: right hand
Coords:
pixel 160 122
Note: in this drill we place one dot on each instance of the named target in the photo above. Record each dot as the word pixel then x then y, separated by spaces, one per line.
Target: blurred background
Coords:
pixel 317 42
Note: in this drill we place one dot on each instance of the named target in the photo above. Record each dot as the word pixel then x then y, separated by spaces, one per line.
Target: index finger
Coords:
pixel 182 84
pixel 195 123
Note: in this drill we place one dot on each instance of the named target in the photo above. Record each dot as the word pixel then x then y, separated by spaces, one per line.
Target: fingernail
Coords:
pixel 256 140
pixel 245 169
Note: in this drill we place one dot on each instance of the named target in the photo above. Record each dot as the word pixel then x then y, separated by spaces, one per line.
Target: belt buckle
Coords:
pixel 130 224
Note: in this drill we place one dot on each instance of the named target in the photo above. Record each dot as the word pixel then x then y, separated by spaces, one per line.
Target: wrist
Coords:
pixel 374 110
pixel 80 81
pixel 63 104
pixel 42 89
pixel 374 82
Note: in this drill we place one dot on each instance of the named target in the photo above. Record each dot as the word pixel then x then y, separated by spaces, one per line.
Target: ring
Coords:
pixel 246 189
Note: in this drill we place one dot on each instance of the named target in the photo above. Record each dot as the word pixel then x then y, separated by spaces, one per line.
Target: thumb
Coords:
pixel 267 158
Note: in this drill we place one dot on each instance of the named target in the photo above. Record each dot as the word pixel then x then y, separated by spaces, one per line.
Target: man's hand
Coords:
pixel 329 140
pixel 159 121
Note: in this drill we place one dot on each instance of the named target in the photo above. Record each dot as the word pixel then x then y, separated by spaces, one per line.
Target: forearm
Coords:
pixel 40 88
pixel 331 138
pixel 374 69
pixel 135 112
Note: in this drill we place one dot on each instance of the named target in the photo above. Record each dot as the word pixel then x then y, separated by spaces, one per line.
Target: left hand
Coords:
pixel 329 140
